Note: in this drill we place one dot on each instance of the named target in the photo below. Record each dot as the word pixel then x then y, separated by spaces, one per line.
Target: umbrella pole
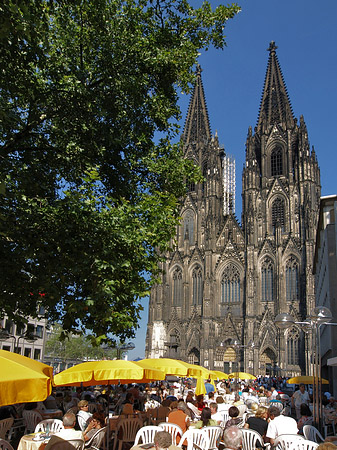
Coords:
pixel 108 418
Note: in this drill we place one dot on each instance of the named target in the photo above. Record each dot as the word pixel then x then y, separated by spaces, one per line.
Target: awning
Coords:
pixel 332 361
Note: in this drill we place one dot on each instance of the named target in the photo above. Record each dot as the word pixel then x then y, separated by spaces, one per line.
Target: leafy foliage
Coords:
pixel 76 347
pixel 88 194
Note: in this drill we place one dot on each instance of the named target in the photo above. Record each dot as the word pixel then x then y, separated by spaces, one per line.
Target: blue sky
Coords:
pixel 305 32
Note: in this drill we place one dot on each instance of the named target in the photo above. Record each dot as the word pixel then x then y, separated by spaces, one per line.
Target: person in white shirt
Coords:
pixel 299 397
pixel 68 433
pixel 279 424
pixel 83 415
pixel 216 415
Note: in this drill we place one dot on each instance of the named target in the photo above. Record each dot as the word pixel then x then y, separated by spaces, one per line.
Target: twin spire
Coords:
pixel 197 128
pixel 275 107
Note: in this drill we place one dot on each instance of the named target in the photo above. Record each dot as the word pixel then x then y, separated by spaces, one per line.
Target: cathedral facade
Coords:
pixel 224 282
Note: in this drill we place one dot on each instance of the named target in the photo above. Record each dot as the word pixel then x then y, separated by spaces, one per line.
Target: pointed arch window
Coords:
pixel 230 285
pixel 277 213
pixel 267 281
pixel 293 343
pixel 189 227
pixel 197 286
pixel 276 161
pixel 177 287
pixel 292 284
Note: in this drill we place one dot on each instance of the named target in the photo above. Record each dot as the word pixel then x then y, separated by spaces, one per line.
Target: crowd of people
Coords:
pixel 260 405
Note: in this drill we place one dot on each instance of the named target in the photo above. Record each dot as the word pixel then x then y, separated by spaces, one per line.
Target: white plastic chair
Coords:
pixel 194 409
pixel 312 434
pixel 196 439
pixel 96 440
pixel 307 445
pixel 128 428
pixel 173 429
pixel 214 434
pixel 4 445
pixel 288 442
pixel 146 434
pixel 250 439
pixel 55 425
pixel 77 443
pixel 242 409
pixel 31 419
pixel 225 416
pixel 5 426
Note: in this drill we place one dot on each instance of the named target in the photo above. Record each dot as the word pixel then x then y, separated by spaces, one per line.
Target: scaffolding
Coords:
pixel 229 184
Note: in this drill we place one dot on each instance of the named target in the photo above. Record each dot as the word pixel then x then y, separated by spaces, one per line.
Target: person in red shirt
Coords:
pixel 179 418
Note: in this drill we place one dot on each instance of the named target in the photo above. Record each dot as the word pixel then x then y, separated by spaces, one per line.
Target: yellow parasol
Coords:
pixel 93 373
pixel 200 387
pixel 242 376
pixel 305 379
pixel 217 374
pixel 23 379
pixel 172 367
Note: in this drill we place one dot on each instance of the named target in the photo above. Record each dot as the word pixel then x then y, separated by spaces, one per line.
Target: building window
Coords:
pixel 276 160
pixel 267 281
pixel 189 227
pixel 30 329
pixel 39 331
pixel 177 287
pixel 292 290
pixel 197 286
pixel 37 353
pixel 230 285
pixel 28 352
pixel 293 346
pixel 9 326
pixel 277 213
pixel 190 186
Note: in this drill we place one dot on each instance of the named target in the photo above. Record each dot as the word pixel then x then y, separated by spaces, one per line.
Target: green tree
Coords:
pixel 74 347
pixel 88 109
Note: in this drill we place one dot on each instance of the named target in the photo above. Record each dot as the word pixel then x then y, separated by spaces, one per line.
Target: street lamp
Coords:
pixel 249 346
pixel 123 348
pixel 29 337
pixel 321 316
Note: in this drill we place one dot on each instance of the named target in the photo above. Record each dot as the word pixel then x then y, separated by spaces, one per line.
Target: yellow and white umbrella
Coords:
pixel 23 379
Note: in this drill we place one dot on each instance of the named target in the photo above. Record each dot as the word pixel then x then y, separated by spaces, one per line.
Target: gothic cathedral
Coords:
pixel 224 282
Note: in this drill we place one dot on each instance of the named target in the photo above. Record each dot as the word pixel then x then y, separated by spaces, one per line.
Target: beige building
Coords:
pixel 325 270
pixel 28 340
pixel 224 282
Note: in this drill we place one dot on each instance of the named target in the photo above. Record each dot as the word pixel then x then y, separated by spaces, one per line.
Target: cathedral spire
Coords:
pixel 275 107
pixel 197 128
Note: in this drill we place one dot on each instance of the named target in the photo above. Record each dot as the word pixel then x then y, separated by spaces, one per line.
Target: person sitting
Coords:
pixel 205 419
pixel 68 433
pixel 179 417
pixel 162 441
pixel 83 415
pixel 222 406
pixel 232 438
pixel 96 423
pixel 234 417
pixel 217 416
pixel 258 422
pixel 279 424
pixel 200 402
pixel 305 419
pixel 127 406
